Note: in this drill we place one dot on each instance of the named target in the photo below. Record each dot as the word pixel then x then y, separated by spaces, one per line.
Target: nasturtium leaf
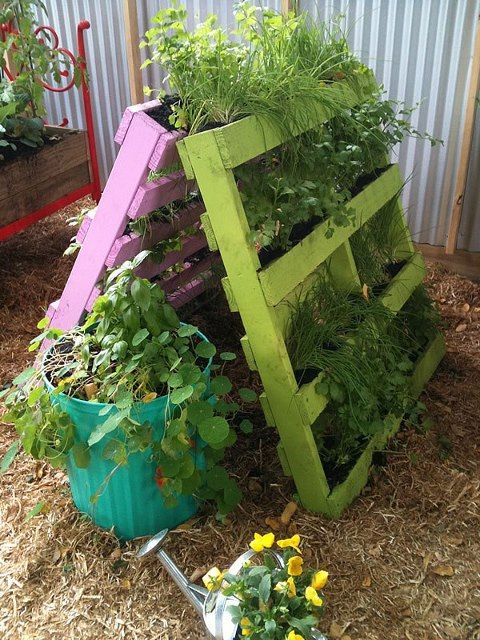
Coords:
pixel 35 395
pixel 192 483
pixel 141 293
pixel 213 430
pixel 187 467
pixel 186 330
pixel 81 455
pixel 227 442
pixel 180 395
pixel 217 478
pixel 123 398
pixel 220 385
pixel 205 349
pixel 227 355
pixel 139 337
pixel 190 373
pixel 246 426
pixel 9 456
pixel 247 395
pixel 110 424
pixel 321 388
pixel 199 411
pixel 175 380
pixel 232 494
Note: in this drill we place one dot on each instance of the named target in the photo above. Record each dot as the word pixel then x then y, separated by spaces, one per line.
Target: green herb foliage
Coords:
pixel 33 61
pixel 366 355
pixel 131 349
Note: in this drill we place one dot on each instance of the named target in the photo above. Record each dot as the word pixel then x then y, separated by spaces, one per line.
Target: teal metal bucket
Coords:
pixel 130 500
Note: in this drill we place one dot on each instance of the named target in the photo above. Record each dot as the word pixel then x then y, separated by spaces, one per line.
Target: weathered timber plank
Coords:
pixel 150 269
pixel 285 273
pixel 129 245
pixel 222 200
pixel 190 273
pixel 129 171
pixel 247 350
pixel 38 195
pixel 85 226
pixel 43 163
pixel 249 137
pixel 185 160
pixel 311 403
pixel 403 284
pixel 188 293
pixel 128 116
pixel 157 193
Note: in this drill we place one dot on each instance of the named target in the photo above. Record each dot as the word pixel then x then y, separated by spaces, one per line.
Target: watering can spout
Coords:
pixel 196 595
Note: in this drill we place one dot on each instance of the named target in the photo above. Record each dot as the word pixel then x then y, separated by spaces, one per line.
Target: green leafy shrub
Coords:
pixel 132 349
pixel 32 61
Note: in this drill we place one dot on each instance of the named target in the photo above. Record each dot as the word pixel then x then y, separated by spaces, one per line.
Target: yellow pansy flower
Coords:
pixel 294 636
pixel 294 566
pixel 259 542
pixel 213 579
pixel 287 586
pixel 246 627
pixel 293 542
pixel 312 596
pixel 319 580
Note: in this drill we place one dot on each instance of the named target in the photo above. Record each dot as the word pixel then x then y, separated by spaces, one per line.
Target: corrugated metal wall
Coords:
pixel 419 49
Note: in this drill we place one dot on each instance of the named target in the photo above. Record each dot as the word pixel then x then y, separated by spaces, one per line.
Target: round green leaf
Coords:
pixel 227 355
pixel 220 385
pixel 247 395
pixel 217 478
pixel 199 411
pixel 139 337
pixel 180 395
pixel 213 430
pixel 205 349
pixel 246 426
pixel 187 330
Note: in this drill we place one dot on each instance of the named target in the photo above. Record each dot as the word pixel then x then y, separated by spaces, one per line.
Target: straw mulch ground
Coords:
pixel 404 560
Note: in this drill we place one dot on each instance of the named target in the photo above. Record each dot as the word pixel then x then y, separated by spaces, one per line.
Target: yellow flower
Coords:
pixel 294 636
pixel 294 566
pixel 287 587
pixel 246 627
pixel 213 579
pixel 293 542
pixel 259 542
pixel 319 580
pixel 312 596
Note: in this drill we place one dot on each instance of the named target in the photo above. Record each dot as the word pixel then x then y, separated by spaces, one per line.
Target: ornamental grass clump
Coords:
pixel 275 596
pixel 366 354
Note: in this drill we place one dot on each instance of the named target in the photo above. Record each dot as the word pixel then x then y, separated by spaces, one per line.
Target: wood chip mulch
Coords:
pixel 404 559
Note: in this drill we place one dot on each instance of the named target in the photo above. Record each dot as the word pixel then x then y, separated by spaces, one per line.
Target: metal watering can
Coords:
pixel 211 606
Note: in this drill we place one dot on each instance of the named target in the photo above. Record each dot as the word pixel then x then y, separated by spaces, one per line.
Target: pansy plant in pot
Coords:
pixel 272 595
pixel 129 402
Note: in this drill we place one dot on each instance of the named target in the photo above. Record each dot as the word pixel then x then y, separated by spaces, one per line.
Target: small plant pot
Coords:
pixel 126 498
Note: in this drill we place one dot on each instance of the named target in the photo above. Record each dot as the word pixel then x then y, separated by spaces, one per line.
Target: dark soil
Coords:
pixel 162 113
pixel 23 151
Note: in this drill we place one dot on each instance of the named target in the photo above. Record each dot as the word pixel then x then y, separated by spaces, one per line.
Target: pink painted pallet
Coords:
pixel 105 237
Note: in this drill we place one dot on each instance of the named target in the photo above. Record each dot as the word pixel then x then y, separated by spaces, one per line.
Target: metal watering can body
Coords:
pixel 211 606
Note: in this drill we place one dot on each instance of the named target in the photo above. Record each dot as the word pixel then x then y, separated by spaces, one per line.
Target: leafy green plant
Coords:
pixel 365 354
pixel 277 65
pixel 32 60
pixel 273 602
pixel 130 350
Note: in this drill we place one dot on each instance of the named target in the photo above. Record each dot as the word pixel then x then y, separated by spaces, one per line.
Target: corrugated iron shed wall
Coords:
pixel 419 49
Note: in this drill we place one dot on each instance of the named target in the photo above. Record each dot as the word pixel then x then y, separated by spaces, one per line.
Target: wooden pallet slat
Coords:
pixel 286 272
pixel 158 193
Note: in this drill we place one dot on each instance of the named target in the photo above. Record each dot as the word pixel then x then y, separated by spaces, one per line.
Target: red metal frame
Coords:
pixel 93 188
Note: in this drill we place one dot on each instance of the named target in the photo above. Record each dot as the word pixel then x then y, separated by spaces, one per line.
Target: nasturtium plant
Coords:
pixel 131 350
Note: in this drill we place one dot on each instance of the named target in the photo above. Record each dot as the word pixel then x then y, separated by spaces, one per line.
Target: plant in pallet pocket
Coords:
pixel 132 352
pixel 366 355
pixel 277 597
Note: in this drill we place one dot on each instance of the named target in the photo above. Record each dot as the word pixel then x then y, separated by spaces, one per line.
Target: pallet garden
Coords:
pixel 288 194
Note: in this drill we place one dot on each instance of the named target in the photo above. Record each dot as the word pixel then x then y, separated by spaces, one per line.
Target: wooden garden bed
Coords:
pixel 31 182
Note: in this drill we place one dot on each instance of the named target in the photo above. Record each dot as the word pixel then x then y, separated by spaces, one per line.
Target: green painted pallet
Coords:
pixel 259 294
